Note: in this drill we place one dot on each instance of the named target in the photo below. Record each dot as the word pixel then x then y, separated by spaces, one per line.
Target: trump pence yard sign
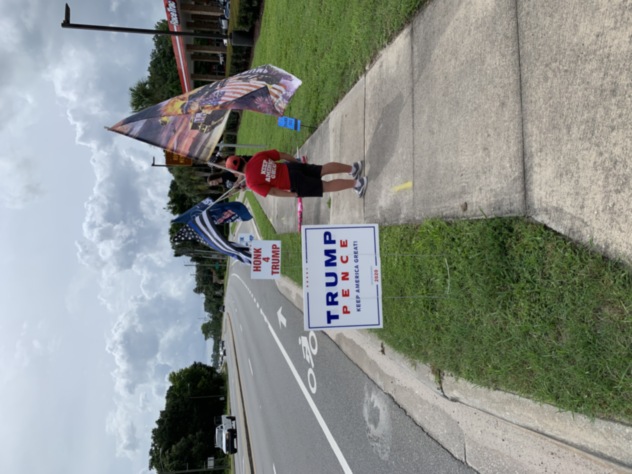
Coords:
pixel 342 285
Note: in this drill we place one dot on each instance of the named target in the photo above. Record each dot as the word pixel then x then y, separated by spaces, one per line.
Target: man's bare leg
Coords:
pixel 336 185
pixel 334 167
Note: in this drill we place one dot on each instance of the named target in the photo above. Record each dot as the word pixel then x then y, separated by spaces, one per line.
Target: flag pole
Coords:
pixel 222 197
pixel 239 145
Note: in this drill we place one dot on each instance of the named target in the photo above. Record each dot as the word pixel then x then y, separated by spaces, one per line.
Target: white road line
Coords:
pixel 251 372
pixel 310 401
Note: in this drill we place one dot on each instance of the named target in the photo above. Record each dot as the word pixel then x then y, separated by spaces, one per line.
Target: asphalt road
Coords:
pixel 306 406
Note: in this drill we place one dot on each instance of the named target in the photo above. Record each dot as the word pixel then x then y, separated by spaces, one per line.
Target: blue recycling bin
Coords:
pixel 290 123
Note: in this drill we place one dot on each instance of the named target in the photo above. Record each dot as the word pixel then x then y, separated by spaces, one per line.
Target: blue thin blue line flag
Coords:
pixel 222 213
pixel 194 211
pixel 202 229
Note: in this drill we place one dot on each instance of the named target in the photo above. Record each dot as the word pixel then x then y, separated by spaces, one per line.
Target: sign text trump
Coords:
pixel 342 285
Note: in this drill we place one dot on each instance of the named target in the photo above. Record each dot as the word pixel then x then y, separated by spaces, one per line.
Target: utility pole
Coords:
pixel 236 38
pixel 67 24
pixel 220 397
pixel 203 469
pixel 209 265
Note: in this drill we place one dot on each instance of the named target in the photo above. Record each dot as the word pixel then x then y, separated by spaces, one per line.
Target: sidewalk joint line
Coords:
pixel 521 95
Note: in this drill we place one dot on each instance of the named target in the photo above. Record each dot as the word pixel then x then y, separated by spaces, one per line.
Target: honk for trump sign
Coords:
pixel 342 285
pixel 265 259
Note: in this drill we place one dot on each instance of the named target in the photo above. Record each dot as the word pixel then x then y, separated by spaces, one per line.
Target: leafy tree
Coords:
pixel 163 70
pixel 185 430
pixel 186 451
pixel 163 80
pixel 141 95
pixel 212 328
pixel 212 306
pixel 179 200
pixel 207 329
pixel 191 183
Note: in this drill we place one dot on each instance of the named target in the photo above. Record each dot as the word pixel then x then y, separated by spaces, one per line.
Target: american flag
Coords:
pixel 266 89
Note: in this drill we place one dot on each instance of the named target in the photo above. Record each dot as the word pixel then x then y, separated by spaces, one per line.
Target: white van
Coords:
pixel 226 435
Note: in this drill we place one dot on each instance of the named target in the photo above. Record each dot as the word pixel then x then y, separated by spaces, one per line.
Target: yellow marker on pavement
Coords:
pixel 404 186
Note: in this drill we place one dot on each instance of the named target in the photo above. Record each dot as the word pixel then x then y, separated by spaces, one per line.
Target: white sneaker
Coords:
pixel 360 186
pixel 356 169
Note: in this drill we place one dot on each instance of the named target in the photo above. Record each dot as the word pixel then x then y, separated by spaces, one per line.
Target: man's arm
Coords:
pixel 281 193
pixel 241 182
pixel 288 158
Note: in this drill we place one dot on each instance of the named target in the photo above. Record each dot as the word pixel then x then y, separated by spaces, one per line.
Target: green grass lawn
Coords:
pixel 504 303
pixel 509 304
pixel 327 44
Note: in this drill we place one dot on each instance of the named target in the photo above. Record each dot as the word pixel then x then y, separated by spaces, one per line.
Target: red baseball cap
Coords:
pixel 233 163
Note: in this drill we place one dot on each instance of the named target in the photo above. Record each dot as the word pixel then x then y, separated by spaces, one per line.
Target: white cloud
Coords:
pixel 147 343
pixel 119 224
pixel 19 182
pixel 80 284
pixel 64 84
pixel 22 24
pixel 9 34
pixel 21 354
pixel 76 81
pixel 135 350
pixel 123 429
pixel 35 341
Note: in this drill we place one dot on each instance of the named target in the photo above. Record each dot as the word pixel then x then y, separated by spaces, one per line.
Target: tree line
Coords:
pixel 184 436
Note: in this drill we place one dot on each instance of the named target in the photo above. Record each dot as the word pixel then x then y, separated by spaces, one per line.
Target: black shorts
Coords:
pixel 305 179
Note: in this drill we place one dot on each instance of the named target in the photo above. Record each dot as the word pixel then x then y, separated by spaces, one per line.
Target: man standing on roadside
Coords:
pixel 279 174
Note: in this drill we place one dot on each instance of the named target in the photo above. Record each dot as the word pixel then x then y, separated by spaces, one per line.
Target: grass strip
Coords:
pixel 509 304
pixel 328 45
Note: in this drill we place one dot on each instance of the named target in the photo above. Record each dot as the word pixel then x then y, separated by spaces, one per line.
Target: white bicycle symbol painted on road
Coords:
pixel 309 347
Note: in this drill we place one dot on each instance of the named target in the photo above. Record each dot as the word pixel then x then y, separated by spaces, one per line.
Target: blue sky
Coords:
pixel 95 309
